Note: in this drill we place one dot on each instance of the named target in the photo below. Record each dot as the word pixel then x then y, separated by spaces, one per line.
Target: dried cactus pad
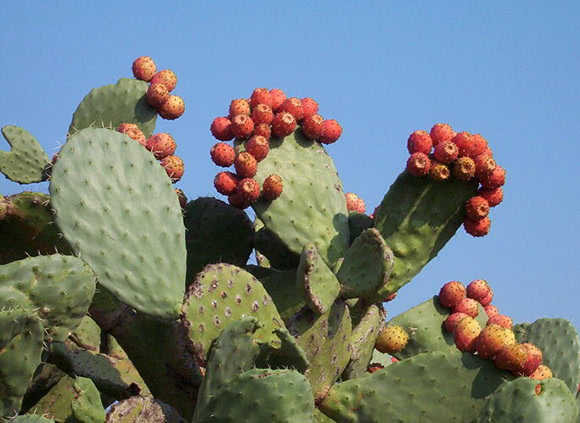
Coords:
pixel 143 410
pixel 221 294
pixel 26 161
pixel 110 105
pixel 117 208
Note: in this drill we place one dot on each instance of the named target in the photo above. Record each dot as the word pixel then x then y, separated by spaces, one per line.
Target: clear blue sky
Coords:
pixel 508 70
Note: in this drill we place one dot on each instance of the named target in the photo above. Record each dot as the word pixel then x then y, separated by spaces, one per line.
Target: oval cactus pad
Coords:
pixel 117 208
pixel 221 294
pixel 26 161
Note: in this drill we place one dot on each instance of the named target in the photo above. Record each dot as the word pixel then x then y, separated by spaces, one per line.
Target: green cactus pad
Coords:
pixel 72 399
pixel 357 223
pixel 143 410
pixel 118 209
pixel 30 419
pixel 558 340
pixel 232 353
pixel 111 105
pixel 424 324
pixel 223 293
pixel 271 247
pixel 281 286
pixel 316 280
pixel 262 395
pixel 312 206
pixel 362 342
pixel 416 218
pixel 27 228
pixel 432 387
pixel 61 288
pixel 324 338
pixel 289 356
pixel 26 162
pixel 530 401
pixel 366 267
pixel 216 233
pixel 21 335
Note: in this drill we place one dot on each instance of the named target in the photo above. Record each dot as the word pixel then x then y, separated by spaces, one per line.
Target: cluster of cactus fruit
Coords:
pixel 118 305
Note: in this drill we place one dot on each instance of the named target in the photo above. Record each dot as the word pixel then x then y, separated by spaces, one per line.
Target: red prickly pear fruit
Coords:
pixel 277 97
pixel 174 167
pixel 144 68
pixel 466 333
pixel 260 96
pixel 242 126
pixel 374 367
pixel 479 145
pixel 161 145
pixel 468 306
pixel 500 319
pixel 181 197
pixel 511 357
pixel 249 189
pixel 221 128
pixel 272 187
pixel 283 124
pixel 476 208
pixel 390 297
pixel 446 152
pixel 493 196
pixel 484 165
pixel 258 146
pixel 418 164
pixel 310 107
pixel 312 126
pixel 477 228
pixel 173 108
pixel 331 131
pixel 464 168
pixel 293 106
pixel 533 360
pixel 541 373
pixel 133 132
pixel 354 203
pixel 263 129
pixel 492 339
pixel 494 179
pixel 166 77
pixel 478 289
pixel 238 201
pixel 491 310
pixel 157 95
pixel 262 113
pixel 441 132
pixel 246 165
pixel 439 172
pixel 485 301
pixel 226 183
pixel 464 142
pixel 451 294
pixel 222 154
pixel 239 106
pixel 392 339
pixel 451 322
pixel 419 142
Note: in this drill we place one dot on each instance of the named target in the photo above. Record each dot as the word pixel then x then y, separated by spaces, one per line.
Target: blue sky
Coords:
pixel 507 70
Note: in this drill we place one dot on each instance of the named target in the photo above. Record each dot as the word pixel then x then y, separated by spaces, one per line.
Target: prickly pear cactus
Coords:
pixel 122 302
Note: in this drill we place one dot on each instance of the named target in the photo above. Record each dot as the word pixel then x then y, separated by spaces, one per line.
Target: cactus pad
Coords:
pixel 416 218
pixel 531 401
pixel 312 206
pixel 357 223
pixel 143 410
pixel 117 208
pixel 438 386
pixel 366 267
pixel 26 162
pixel 110 105
pixel 316 280
pixel 221 294
pixel 216 233
pixel 362 342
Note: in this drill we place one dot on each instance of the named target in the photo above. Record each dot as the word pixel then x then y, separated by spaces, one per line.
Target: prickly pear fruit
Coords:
pixel 392 339
pixel 441 132
pixel 143 68
pixel 419 142
pixel 451 294
pixel 222 154
pixel 466 333
pixel 500 319
pixel 479 290
pixel 511 357
pixel 173 108
pixel 418 164
pixel 451 322
pixel 166 77
pixel 492 339
pixel 272 187
pixel 468 306
pixel 221 128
